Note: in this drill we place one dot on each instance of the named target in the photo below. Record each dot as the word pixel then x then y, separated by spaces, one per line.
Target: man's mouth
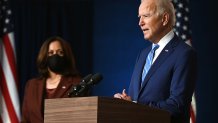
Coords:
pixel 144 30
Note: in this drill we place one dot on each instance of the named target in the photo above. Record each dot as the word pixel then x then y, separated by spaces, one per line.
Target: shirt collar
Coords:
pixel 162 43
pixel 166 39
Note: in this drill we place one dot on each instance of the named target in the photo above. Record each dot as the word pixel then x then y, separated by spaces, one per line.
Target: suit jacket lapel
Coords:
pixel 168 49
pixel 63 86
pixel 138 74
pixel 41 94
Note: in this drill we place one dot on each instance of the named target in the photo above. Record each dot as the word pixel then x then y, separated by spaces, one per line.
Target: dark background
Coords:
pixel 105 37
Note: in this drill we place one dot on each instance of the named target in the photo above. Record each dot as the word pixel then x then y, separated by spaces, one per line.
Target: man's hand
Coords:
pixel 123 96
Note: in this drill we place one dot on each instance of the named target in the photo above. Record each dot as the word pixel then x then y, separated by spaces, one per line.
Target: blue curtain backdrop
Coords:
pixel 106 38
pixel 36 20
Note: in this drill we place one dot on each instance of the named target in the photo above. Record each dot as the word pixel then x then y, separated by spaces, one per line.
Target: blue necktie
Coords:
pixel 149 60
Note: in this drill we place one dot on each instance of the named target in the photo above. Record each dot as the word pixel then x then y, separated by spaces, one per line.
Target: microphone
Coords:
pixel 95 79
pixel 76 88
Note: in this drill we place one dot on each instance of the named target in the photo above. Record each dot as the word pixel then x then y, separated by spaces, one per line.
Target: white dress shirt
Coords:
pixel 162 43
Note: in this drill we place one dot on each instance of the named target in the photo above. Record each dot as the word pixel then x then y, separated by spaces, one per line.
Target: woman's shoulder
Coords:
pixel 35 80
pixel 73 77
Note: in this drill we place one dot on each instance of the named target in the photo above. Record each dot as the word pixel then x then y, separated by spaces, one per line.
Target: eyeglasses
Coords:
pixel 53 52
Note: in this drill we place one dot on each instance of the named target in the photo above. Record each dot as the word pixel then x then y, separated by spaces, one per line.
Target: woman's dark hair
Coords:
pixel 43 55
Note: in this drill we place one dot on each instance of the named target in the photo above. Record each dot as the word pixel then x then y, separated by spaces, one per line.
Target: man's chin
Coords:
pixel 146 37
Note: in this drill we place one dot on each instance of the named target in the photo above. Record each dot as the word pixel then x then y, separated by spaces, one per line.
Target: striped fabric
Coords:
pixel 9 97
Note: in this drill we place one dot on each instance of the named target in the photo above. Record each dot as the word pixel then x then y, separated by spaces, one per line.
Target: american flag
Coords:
pixel 9 97
pixel 182 29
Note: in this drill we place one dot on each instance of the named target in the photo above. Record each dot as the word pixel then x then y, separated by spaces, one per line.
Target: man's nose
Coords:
pixel 141 21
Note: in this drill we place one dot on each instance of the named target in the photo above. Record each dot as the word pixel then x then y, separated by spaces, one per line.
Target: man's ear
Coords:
pixel 165 18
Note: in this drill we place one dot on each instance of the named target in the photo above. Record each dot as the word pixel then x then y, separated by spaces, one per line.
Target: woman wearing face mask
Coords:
pixel 56 66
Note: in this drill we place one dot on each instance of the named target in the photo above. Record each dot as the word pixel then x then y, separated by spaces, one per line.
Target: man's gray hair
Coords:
pixel 166 6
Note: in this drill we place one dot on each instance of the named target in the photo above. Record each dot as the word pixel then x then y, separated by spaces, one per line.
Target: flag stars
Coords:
pixel 7 20
pixel 5 17
pixel 179 15
pixel 186 9
pixel 180 5
pixel 185 28
pixel 183 36
pixel 4 30
pixel 177 24
pixel 182 27
pixel 9 12
pixel 186 18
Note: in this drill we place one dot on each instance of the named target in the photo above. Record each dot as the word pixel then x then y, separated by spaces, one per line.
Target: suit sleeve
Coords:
pixel 182 84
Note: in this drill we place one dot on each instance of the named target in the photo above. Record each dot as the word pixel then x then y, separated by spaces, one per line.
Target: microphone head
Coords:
pixel 85 84
pixel 86 78
pixel 75 89
pixel 96 78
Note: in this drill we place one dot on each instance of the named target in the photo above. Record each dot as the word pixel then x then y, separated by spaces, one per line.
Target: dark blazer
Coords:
pixel 33 102
pixel 170 82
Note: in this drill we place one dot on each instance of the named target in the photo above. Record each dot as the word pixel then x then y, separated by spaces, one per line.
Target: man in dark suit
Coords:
pixel 164 77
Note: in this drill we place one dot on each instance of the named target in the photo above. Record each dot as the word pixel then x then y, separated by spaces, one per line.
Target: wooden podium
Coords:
pixel 100 110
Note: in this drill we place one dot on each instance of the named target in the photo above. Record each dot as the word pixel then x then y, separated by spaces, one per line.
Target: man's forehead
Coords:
pixel 147 6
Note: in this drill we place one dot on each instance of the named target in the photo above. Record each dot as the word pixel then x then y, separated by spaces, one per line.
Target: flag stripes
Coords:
pixel 9 86
pixel 193 110
pixel 8 41
pixel 7 99
pixel 9 96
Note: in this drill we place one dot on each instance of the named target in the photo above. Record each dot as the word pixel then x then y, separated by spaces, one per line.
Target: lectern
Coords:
pixel 101 110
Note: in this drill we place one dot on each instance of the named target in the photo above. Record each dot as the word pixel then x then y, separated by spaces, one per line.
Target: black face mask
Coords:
pixel 56 63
